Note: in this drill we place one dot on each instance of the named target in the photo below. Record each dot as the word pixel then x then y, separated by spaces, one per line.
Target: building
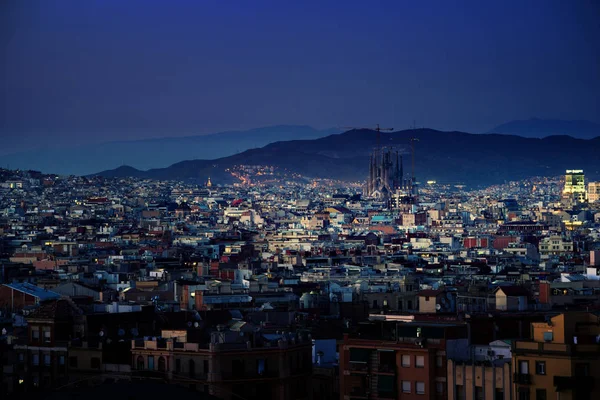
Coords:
pixel 469 380
pixel 555 246
pixel 398 360
pixel 16 296
pixel 43 355
pixel 562 361
pixel 386 175
pixel 593 192
pixel 238 362
pixel 511 298
pixel 574 190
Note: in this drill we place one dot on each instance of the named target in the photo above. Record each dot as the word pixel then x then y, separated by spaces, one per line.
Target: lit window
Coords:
pixel 420 386
pixel 420 361
pixel 406 361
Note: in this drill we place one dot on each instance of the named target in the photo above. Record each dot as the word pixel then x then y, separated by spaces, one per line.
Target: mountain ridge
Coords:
pixel 156 152
pixel 537 127
pixel 475 159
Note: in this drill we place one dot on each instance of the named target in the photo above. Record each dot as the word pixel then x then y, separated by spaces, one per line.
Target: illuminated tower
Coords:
pixel 574 191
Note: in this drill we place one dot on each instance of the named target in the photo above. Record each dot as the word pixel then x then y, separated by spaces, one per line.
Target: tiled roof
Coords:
pixel 60 309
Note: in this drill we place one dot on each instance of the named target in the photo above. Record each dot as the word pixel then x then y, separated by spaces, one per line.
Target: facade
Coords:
pixel 593 192
pixel 265 366
pixel 41 359
pixel 562 361
pixel 386 174
pixel 479 381
pixel 396 360
pixel 555 246
pixel 574 190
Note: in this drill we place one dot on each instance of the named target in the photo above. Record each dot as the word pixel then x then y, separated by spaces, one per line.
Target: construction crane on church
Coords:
pixel 378 129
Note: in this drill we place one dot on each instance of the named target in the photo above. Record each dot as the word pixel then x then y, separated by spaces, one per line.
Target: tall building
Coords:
pixel 386 174
pixel 574 191
pixel 593 192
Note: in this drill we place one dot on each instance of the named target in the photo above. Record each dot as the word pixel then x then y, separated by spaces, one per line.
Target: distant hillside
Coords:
pixel 152 153
pixel 540 128
pixel 444 156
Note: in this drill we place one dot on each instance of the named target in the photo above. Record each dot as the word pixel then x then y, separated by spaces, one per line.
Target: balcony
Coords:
pixel 359 367
pixel 359 393
pixel 522 379
pixel 386 369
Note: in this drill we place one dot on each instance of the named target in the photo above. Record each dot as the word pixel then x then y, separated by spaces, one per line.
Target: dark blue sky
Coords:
pixel 74 70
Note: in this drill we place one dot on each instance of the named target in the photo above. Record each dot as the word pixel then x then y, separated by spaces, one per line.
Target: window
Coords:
pixel 192 368
pixel 261 366
pixel 162 364
pixel 35 334
pixel 540 394
pixel 460 392
pixel 140 363
pixel 548 336
pixel 582 369
pixel 523 394
pixel 439 361
pixel 150 362
pixel 420 361
pixel 73 362
pixel 439 387
pixel 499 394
pixel 540 367
pixel 523 367
pixel 21 357
pixel 405 360
pixel 47 336
pixel 35 359
pixel 479 393
pixel 61 360
pixel 405 386
pixel 420 386
pixel 410 304
pixel 47 359
pixel 238 367
pixel 95 362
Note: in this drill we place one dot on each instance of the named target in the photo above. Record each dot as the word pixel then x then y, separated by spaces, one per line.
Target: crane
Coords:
pixel 412 151
pixel 378 129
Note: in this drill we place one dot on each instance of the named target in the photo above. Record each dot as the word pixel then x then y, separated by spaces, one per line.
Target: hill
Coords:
pixel 472 159
pixel 540 128
pixel 152 153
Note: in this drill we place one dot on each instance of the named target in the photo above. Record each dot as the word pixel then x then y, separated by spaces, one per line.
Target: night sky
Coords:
pixel 81 71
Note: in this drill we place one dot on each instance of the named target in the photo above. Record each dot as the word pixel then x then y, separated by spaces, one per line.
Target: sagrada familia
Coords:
pixel 386 175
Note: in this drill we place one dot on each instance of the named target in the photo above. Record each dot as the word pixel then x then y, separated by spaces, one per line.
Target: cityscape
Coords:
pixel 304 201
